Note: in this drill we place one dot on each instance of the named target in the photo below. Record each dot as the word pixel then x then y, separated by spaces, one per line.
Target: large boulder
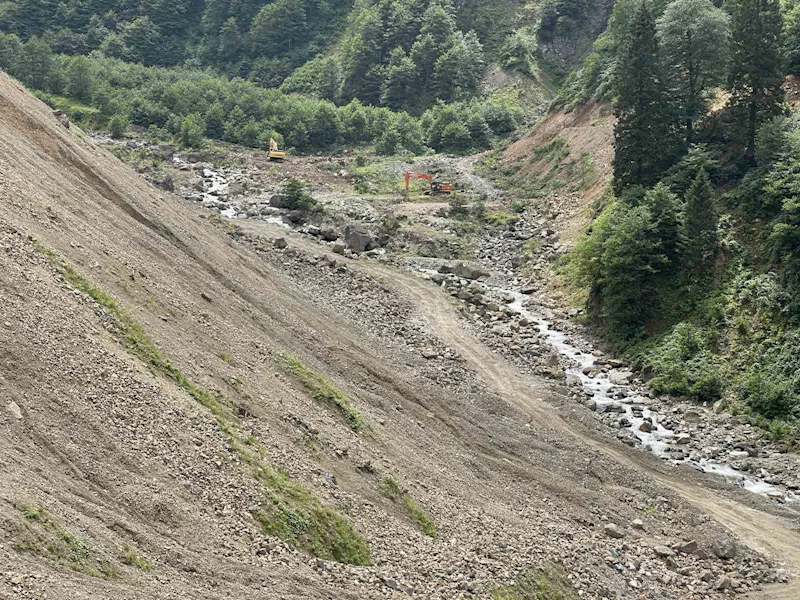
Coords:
pixel 467 272
pixel 279 201
pixel 328 233
pixel 358 239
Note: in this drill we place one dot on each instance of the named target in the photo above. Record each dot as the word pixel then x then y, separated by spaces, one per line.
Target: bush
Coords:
pixel 297 196
pixel 118 126
pixel 683 365
pixel 771 385
pixel 192 131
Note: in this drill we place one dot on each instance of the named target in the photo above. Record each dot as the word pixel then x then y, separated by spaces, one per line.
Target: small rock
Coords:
pixel 429 353
pixel 691 416
pixel 723 583
pixel 279 243
pixel 646 427
pixel 613 530
pixel 686 547
pixel 15 410
pixel 663 551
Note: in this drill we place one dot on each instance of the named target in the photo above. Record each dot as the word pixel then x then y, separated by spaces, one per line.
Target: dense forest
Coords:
pixel 692 263
pixel 311 72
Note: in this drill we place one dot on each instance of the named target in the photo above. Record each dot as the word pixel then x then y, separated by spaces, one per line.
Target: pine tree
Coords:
pixel 645 132
pixel 756 71
pixel 698 231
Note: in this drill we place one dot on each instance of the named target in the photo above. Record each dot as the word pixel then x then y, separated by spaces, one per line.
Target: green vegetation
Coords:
pixel 132 559
pixel 691 264
pixel 323 390
pixel 295 515
pixel 392 490
pixel 297 196
pixel 290 511
pixel 549 583
pixel 400 75
pixel 42 536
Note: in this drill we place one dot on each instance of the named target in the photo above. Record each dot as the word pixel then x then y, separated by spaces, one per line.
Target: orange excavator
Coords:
pixel 437 187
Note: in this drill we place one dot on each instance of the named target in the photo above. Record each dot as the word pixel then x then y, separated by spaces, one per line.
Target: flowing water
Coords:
pixel 655 437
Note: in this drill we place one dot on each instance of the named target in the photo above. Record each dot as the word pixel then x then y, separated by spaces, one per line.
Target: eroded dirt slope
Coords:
pixel 130 474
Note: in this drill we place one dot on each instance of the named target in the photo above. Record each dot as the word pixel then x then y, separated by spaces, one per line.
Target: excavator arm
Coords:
pixel 410 176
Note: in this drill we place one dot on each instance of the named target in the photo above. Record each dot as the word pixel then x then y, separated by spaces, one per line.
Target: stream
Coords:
pixel 656 438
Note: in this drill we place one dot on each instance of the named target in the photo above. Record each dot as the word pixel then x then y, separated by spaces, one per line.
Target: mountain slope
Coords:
pixel 154 429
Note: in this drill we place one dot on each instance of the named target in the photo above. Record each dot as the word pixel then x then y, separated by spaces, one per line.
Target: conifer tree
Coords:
pixel 756 71
pixel 645 130
pixel 698 232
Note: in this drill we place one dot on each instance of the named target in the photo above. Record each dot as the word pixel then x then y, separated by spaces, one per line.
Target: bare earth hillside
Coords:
pixel 187 411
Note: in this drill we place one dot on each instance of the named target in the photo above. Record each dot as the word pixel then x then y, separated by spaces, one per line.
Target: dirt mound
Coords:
pixel 189 411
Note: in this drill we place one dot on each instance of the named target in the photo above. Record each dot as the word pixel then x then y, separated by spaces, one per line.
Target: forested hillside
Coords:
pixel 178 65
pixel 692 264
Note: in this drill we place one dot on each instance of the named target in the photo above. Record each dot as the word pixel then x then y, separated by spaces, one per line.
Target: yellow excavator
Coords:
pixel 274 153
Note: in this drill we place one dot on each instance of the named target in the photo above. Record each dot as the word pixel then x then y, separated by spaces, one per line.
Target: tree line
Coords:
pixel 194 104
pixel 402 54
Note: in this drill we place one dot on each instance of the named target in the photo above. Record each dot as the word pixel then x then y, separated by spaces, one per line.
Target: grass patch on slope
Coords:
pixel 549 583
pixel 289 511
pixel 391 489
pixel 42 536
pixel 323 390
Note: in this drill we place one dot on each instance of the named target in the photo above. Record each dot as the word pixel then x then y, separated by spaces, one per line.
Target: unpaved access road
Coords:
pixel 761 531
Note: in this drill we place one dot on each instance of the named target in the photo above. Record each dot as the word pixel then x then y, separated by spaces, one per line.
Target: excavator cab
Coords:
pixel 437 187
pixel 274 153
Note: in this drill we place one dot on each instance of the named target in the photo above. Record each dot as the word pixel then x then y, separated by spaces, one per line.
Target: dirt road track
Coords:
pixel 762 532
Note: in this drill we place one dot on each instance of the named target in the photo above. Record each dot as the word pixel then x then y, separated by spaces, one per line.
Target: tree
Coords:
pixel 698 231
pixel 791 36
pixel 10 47
pixel 644 132
pixel 693 37
pixel 118 126
pixel 396 90
pixel 756 73
pixel 460 68
pixel 35 16
pixel 143 41
pixel 80 79
pixel 619 261
pixel 230 41
pixel 278 28
pixel 34 63
pixel 192 131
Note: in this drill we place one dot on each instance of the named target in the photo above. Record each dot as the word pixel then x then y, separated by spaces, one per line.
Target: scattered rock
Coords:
pixel 613 530
pixel 279 243
pixel 663 551
pixel 15 410
pixel 620 377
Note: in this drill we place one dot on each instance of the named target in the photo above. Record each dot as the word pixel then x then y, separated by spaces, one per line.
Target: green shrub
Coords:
pixel 392 490
pixel 118 126
pixel 771 384
pixel 683 365
pixel 322 389
pixel 549 583
pixel 297 195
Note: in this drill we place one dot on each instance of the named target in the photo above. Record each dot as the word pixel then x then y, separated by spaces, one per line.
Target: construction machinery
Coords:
pixel 274 153
pixel 437 187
